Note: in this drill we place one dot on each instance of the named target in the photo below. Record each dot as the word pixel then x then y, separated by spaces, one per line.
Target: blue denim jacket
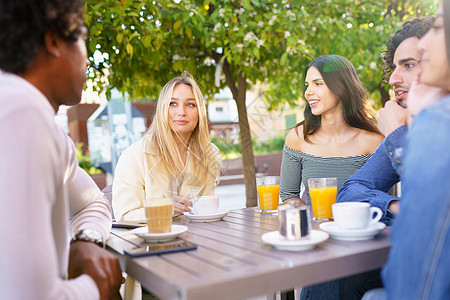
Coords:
pixel 372 182
pixel 419 261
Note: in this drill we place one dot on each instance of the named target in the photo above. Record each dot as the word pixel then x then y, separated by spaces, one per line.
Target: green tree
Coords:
pixel 140 45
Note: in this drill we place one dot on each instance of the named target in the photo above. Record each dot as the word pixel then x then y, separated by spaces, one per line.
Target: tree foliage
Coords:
pixel 145 43
pixel 139 45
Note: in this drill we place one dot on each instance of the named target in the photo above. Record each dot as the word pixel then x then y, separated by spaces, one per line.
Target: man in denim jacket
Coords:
pixel 419 261
pixel 372 182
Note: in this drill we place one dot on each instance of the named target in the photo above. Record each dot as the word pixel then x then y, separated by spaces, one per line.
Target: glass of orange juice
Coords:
pixel 322 192
pixel 268 192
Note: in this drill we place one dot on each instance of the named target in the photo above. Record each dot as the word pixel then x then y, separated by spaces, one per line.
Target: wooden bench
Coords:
pixel 236 176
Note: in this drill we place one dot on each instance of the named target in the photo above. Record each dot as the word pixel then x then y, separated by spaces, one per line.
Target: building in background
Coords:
pixel 116 125
pixel 223 115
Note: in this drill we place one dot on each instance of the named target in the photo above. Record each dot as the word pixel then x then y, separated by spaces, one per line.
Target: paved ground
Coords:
pixel 231 196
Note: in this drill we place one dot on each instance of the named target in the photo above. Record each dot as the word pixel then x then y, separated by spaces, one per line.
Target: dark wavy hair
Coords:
pixel 340 76
pixel 414 28
pixel 23 24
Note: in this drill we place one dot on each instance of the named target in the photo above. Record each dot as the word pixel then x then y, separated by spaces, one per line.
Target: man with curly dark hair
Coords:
pixel 45 198
pixel 373 181
pixel 392 69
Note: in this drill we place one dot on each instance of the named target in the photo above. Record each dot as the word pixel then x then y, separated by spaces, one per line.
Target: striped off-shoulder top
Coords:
pixel 297 167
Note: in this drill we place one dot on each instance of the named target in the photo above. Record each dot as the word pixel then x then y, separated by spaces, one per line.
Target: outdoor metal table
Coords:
pixel 232 262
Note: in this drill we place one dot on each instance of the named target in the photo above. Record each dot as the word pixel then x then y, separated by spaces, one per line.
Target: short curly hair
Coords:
pixel 24 23
pixel 414 28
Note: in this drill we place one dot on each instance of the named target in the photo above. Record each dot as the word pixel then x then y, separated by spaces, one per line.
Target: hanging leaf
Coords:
pixel 130 50
pixel 177 27
pixel 119 37
pixel 283 58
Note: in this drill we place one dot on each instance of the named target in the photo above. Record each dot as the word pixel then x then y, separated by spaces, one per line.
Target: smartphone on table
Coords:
pixel 129 224
pixel 161 248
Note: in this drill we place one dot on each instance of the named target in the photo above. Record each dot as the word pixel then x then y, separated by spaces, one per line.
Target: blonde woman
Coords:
pixel 175 158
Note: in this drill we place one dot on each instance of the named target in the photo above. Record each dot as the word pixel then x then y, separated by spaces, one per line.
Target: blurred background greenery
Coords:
pixel 84 161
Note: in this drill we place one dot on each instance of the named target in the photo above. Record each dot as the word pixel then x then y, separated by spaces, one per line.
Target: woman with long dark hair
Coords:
pixel 338 134
pixel 336 138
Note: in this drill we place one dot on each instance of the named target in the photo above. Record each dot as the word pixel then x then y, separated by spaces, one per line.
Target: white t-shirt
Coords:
pixel 44 198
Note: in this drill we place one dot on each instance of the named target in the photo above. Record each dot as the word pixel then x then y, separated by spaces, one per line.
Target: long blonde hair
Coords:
pixel 163 140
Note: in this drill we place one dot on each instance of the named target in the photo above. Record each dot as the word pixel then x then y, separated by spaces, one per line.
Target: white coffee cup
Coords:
pixel 355 215
pixel 205 205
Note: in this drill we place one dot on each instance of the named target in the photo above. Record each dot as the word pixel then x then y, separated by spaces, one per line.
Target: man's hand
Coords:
pixel 420 96
pixel 88 258
pixel 391 117
pixel 180 205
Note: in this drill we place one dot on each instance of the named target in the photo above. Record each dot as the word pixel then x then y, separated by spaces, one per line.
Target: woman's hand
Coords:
pixel 181 205
pixel 301 202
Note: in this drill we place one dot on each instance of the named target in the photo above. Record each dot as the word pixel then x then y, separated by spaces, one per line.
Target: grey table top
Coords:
pixel 232 262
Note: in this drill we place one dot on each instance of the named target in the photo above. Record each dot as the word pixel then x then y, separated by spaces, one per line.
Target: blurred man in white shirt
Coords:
pixel 46 200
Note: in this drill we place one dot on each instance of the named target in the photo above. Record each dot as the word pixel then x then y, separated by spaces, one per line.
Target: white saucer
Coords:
pixel 275 239
pixel 206 218
pixel 352 234
pixel 143 233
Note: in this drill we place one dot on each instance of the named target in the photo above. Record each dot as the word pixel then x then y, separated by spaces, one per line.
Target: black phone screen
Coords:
pixel 161 248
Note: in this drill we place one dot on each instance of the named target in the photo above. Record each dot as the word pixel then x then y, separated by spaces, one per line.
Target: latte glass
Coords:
pixel 158 213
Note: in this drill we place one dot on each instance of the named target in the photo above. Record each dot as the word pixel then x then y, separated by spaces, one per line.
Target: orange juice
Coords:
pixel 321 201
pixel 268 196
